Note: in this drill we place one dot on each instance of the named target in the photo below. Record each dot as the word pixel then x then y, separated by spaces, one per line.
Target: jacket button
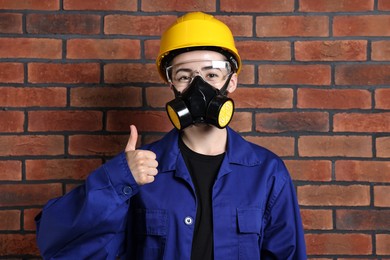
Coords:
pixel 127 190
pixel 188 221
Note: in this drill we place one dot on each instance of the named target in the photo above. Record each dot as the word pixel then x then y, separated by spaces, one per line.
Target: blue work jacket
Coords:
pixel 254 207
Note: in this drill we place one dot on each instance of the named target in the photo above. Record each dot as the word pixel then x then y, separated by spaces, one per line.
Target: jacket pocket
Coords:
pixel 151 233
pixel 249 228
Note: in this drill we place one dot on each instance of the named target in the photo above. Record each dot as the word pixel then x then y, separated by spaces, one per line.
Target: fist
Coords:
pixel 142 163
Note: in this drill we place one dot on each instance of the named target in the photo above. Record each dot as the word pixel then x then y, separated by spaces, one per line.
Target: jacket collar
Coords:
pixel 239 151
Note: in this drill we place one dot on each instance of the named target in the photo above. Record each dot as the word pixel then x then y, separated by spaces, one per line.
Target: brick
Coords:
pixel 31 145
pixel 30 48
pixel 11 171
pixel 359 122
pixel 268 6
pixel 247 75
pixel 64 121
pixel 383 147
pixel 382 97
pixel 157 97
pixel 63 24
pixel 383 5
pixel 151 138
pixel 151 49
pixel 285 26
pixel 317 219
pixel 11 121
pixel 294 74
pixel 103 49
pixel 140 25
pixel 362 74
pixel 18 244
pixel 101 145
pixel 28 194
pixel 334 195
pixel 353 258
pixel 362 25
pixel 107 5
pixel 124 73
pixel 336 5
pixel 363 219
pixel 267 50
pixel 31 5
pixel 11 23
pixel 292 121
pixel 60 169
pixel 10 219
pixel 263 98
pixel 106 97
pixel 383 242
pixel 333 98
pixel 32 97
pixel 380 50
pixel 151 121
pixel 338 244
pixel 240 25
pixel 366 171
pixel 381 196
pixel 282 146
pixel 28 218
pixel 241 122
pixel 11 72
pixel 63 73
pixel 310 170
pixel 330 146
pixel 347 50
pixel 69 187
pixel 182 6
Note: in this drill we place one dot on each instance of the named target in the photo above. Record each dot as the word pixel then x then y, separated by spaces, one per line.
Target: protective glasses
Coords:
pixel 213 72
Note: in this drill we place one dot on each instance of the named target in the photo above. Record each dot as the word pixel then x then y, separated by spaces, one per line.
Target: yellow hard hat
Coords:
pixel 193 31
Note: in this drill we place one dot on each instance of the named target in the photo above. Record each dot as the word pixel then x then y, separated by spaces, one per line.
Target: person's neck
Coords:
pixel 205 139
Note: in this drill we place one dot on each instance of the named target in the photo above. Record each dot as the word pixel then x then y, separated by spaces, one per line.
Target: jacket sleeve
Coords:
pixel 283 235
pixel 88 222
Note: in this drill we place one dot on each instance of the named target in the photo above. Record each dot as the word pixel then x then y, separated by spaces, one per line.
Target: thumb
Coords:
pixel 131 144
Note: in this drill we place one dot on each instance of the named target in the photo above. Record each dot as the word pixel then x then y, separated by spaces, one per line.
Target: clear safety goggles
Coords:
pixel 213 72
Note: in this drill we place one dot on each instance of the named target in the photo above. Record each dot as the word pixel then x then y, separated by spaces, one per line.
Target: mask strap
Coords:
pixel 223 90
pixel 175 91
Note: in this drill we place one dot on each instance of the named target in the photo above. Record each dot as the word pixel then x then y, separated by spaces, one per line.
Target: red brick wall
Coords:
pixel 314 89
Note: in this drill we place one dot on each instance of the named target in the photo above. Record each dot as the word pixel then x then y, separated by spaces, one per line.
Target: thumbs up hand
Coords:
pixel 142 163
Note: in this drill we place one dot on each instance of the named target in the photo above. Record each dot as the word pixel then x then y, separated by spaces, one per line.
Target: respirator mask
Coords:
pixel 200 102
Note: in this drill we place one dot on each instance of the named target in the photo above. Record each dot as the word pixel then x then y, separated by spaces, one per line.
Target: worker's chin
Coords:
pixel 202 125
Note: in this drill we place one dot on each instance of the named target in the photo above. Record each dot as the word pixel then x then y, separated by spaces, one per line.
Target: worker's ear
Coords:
pixel 232 84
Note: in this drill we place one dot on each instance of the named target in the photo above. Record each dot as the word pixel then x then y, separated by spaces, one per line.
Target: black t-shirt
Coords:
pixel 203 170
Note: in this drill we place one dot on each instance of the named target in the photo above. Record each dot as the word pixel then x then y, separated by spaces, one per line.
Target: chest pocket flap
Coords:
pixel 152 228
pixel 152 222
pixel 249 220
